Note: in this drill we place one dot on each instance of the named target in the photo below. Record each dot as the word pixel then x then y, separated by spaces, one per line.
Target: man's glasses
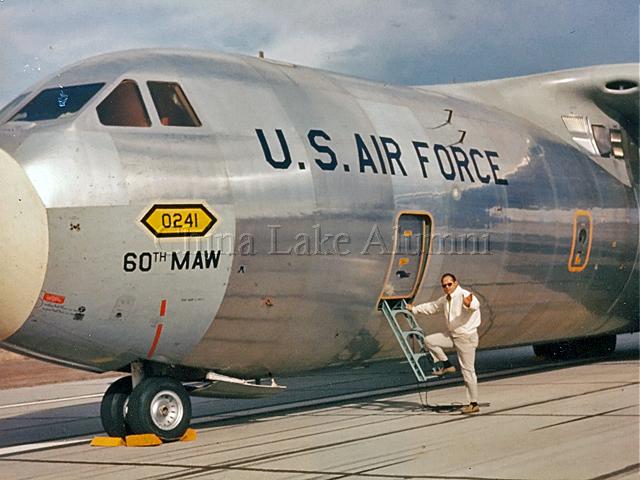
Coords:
pixel 446 285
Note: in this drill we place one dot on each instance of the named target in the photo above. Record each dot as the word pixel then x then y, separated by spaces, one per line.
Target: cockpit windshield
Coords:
pixel 56 102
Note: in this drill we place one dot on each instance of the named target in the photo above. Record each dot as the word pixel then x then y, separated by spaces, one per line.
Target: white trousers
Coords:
pixel 466 347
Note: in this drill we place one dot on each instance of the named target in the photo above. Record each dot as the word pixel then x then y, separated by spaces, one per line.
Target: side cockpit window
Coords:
pixel 12 104
pixel 172 105
pixel 56 102
pixel 124 107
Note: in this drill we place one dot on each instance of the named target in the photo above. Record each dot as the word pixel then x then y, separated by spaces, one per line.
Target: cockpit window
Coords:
pixel 124 107
pixel 56 102
pixel 12 104
pixel 172 105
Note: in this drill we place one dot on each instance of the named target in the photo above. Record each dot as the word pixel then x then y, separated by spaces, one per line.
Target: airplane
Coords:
pixel 206 222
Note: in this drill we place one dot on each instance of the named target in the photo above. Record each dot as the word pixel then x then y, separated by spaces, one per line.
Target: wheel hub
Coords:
pixel 166 410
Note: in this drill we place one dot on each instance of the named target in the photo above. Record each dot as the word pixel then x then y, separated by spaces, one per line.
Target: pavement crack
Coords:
pixel 584 417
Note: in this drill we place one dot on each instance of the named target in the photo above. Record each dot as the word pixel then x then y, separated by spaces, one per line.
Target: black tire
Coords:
pixel 556 351
pixel 564 350
pixel 541 350
pixel 159 405
pixel 112 408
pixel 597 346
pixel 580 348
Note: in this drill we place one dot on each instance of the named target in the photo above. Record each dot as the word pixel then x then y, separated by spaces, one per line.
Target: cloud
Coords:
pixel 397 41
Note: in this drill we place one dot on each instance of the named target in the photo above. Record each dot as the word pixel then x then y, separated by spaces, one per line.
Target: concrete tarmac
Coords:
pixel 576 421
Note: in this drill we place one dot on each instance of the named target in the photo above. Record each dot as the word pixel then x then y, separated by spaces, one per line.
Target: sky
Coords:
pixel 393 41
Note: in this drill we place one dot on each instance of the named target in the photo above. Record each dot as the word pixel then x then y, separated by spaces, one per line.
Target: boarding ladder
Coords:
pixel 393 309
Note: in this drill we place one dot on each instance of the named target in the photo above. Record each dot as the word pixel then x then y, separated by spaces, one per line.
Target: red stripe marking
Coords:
pixel 163 308
pixel 152 350
pixel 53 298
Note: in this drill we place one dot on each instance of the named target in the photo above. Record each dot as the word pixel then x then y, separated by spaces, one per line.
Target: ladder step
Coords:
pixel 391 311
pixel 413 333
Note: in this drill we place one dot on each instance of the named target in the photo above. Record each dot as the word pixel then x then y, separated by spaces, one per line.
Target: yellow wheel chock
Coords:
pixel 144 440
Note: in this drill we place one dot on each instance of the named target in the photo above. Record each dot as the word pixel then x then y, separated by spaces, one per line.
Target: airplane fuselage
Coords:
pixel 304 174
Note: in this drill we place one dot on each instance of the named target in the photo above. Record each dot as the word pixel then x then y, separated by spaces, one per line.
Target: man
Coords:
pixel 462 312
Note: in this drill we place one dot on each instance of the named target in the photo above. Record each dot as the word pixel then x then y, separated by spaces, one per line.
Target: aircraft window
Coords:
pixel 172 105
pixel 56 102
pixel 124 107
pixel 12 104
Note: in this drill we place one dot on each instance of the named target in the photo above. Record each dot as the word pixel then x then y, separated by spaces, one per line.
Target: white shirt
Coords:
pixel 461 320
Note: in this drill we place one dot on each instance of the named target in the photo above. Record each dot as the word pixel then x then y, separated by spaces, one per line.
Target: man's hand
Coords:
pixel 409 306
pixel 467 300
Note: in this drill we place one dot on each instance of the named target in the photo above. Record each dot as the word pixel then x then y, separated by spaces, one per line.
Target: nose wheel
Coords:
pixel 158 405
pixel 114 407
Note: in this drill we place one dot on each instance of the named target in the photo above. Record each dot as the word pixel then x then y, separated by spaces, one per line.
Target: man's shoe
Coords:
pixel 468 409
pixel 444 370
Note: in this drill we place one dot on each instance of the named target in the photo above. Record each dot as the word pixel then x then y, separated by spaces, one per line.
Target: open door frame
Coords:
pixel 425 255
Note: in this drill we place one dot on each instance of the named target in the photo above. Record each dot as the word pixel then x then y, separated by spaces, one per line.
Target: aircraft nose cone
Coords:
pixel 24 246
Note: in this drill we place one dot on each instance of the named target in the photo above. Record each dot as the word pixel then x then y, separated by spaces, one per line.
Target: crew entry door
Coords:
pixel 581 244
pixel 411 242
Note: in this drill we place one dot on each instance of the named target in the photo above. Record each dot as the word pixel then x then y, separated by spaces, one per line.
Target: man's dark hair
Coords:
pixel 448 275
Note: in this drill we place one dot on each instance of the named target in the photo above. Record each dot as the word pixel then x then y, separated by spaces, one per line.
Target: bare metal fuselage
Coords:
pixel 290 276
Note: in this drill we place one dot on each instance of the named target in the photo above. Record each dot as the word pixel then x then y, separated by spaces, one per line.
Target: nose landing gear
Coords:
pixel 158 405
